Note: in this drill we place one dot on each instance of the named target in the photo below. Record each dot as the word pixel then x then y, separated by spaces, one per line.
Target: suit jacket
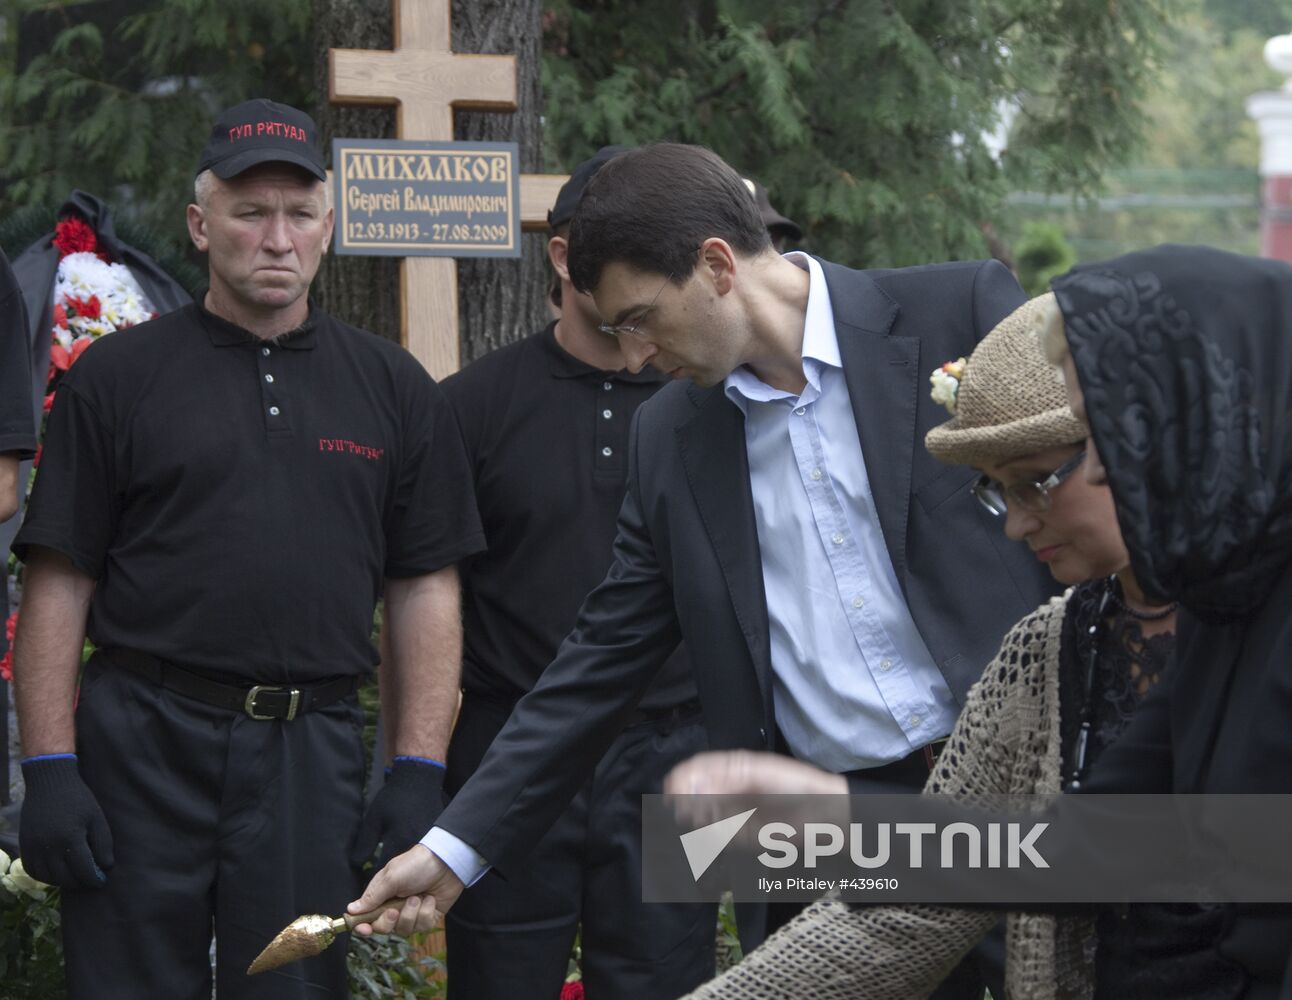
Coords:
pixel 687 565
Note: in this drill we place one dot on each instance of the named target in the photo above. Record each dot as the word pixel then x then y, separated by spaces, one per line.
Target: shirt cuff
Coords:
pixel 460 856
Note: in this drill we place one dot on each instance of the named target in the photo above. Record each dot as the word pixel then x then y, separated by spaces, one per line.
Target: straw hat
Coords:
pixel 1006 400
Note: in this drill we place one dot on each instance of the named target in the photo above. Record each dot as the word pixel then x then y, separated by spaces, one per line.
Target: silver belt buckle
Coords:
pixel 249 706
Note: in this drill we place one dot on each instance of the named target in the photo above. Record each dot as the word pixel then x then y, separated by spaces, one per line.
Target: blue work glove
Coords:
pixel 407 805
pixel 63 836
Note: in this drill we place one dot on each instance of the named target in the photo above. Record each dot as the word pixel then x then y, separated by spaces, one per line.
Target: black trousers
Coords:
pixel 510 938
pixel 221 825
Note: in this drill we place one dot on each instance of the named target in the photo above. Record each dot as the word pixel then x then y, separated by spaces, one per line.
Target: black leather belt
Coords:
pixel 261 702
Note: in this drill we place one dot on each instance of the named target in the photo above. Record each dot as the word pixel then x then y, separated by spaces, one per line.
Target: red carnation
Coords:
pixel 59 359
pixel 78 348
pixel 572 991
pixel 60 316
pixel 49 402
pixel 40 450
pixel 10 626
pixel 85 308
pixel 74 236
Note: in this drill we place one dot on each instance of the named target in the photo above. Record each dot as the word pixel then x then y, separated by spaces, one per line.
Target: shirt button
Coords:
pixel 885 665
pixel 816 473
pixel 914 721
pixel 265 351
pixel 607 414
pixel 800 411
pixel 607 451
pixel 858 602
pixel 273 411
pixel 837 538
pixel 607 386
pixel 269 378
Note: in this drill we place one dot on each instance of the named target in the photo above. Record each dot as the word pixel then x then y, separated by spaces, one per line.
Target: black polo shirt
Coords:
pixel 239 502
pixel 547 439
pixel 17 426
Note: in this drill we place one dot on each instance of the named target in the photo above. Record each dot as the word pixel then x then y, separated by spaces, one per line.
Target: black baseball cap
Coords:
pixel 567 200
pixel 772 219
pixel 261 131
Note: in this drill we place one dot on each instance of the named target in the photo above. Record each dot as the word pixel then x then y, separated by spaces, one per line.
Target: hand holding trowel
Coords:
pixel 415 872
pixel 309 935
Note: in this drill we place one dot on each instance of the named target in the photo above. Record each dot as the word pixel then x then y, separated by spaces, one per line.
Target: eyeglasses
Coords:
pixel 633 329
pixel 1034 497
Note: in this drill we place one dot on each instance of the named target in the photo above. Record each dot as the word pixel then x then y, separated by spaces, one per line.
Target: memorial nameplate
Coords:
pixel 438 199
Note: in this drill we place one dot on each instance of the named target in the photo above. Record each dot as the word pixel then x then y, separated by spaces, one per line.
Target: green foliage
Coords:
pixel 1265 17
pixel 31 947
pixel 1042 253
pixel 869 121
pixel 1194 179
pixel 117 98
pixel 729 952
pixel 384 966
pixel 1196 113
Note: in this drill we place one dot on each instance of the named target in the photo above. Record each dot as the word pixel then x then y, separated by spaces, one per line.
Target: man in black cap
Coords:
pixel 545 422
pixel 785 233
pixel 223 495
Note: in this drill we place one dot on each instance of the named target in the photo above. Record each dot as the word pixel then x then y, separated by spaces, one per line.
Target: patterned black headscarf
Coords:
pixel 1184 355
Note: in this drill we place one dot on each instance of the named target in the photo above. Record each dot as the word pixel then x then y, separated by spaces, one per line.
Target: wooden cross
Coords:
pixel 426 81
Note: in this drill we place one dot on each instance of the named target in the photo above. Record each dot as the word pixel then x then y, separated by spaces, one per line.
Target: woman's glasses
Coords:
pixel 1034 496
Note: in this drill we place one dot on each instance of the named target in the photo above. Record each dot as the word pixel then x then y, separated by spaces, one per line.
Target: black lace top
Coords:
pixel 1128 665
pixel 1147 950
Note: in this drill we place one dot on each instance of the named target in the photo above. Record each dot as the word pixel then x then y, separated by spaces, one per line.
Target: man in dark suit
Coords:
pixel 838 588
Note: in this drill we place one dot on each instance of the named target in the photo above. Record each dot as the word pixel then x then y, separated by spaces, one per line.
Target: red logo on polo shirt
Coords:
pixel 345 446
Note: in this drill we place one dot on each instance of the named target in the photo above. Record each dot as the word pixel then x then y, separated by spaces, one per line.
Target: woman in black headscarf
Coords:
pixel 1181 361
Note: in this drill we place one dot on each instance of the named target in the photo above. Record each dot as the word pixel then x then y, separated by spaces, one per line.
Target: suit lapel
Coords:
pixel 712 446
pixel 882 372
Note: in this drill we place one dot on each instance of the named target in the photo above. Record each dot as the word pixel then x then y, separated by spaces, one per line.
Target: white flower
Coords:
pixel 19 881
pixel 946 384
pixel 122 302
pixel 4 862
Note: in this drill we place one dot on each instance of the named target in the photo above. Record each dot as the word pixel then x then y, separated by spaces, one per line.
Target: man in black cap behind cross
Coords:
pixel 545 422
pixel 223 495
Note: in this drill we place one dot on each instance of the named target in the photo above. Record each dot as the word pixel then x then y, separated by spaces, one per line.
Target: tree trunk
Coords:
pixel 500 299
pixel 363 291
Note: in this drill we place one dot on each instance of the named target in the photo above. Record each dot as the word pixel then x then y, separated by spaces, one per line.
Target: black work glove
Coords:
pixel 407 805
pixel 63 836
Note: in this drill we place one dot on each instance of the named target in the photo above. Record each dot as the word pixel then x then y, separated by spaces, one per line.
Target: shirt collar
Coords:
pixel 820 343
pixel 562 364
pixel 223 333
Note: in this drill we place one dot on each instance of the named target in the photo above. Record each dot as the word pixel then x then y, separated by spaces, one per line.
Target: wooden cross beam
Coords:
pixel 427 81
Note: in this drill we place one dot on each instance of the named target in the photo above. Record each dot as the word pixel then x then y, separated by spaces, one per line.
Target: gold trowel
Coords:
pixel 307 936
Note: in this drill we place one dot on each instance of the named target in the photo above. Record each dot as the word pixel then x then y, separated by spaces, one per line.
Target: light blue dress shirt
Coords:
pixel 853 683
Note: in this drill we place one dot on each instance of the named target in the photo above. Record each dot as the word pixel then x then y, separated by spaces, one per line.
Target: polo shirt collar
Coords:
pixel 226 334
pixel 562 364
